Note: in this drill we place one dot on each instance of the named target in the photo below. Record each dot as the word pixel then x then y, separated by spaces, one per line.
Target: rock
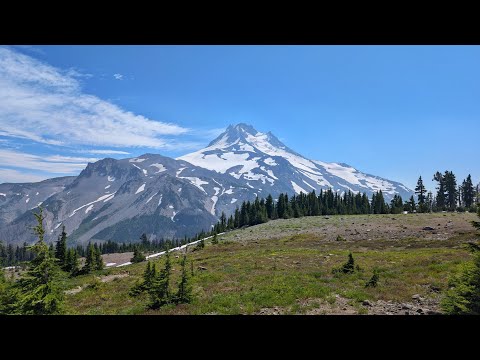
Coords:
pixel 433 312
pixel 202 268
pixel 366 303
pixel 326 217
pixel 407 313
pixel 416 297
pixel 407 306
pixel 420 311
pixel 428 228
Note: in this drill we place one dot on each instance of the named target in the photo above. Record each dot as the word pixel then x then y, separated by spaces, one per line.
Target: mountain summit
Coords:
pixel 264 163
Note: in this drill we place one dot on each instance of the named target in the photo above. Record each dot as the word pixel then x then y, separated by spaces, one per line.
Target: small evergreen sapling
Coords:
pixel 373 280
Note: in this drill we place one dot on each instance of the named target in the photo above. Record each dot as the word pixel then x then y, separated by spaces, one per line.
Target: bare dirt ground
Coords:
pixel 117 258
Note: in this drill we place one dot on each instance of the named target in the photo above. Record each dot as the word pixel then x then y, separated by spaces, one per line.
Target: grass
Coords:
pixel 286 263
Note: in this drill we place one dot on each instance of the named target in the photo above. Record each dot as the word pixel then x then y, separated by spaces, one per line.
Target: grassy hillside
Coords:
pixel 285 267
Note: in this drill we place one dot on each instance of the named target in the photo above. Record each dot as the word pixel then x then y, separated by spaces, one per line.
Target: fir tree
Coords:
pixel 137 256
pixel 61 248
pixel 420 191
pixel 215 239
pixel 468 191
pixel 373 280
pixel 159 291
pixel 38 293
pixel 98 259
pixel 440 198
pixel 184 293
pixel 8 295
pixel 349 266
pixel 72 265
pixel 90 262
pixel 411 204
pixel 450 190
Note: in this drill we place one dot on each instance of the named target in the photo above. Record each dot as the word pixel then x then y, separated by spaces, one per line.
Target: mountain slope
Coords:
pixel 264 163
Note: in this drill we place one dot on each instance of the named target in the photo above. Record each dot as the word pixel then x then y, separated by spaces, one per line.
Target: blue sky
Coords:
pixel 393 111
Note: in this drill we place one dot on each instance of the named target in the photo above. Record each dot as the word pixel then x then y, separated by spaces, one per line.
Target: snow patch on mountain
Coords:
pixel 111 178
pixel 106 187
pixel 160 168
pixel 140 189
pixel 298 188
pixel 197 182
pixel 137 160
pixel 88 209
pixel 105 198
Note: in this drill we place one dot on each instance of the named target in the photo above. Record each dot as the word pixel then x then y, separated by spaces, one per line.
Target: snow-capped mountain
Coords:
pixel 264 163
pixel 164 197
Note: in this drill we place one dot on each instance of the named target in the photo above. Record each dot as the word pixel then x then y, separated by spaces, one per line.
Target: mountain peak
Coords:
pixel 233 133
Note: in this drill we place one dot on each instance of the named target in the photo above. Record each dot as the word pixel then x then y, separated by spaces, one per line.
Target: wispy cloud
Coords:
pixel 56 164
pixel 42 103
pixel 15 176
pixel 118 76
pixel 104 152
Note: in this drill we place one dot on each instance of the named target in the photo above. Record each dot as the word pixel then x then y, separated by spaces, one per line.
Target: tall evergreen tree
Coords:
pixel 184 293
pixel 90 260
pixel 38 292
pixel 72 265
pixel 61 248
pixel 440 198
pixel 270 206
pixel 98 258
pixel 159 291
pixel 421 191
pixel 450 190
pixel 468 191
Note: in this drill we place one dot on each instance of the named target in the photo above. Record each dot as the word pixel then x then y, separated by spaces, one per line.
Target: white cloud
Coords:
pixel 45 104
pixel 104 152
pixel 118 76
pixel 55 164
pixel 14 176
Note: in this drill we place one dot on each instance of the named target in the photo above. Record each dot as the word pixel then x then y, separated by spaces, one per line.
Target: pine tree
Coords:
pixel 450 190
pixel 137 256
pixel 440 198
pixel 420 190
pixel 90 260
pixel 411 204
pixel 98 259
pixel 8 295
pixel 148 277
pixel 468 192
pixel 159 290
pixel 349 266
pixel 270 206
pixel 61 248
pixel 215 239
pixel 72 265
pixel 38 292
pixel 184 293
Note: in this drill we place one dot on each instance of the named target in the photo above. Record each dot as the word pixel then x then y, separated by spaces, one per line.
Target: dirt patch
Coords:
pixel 108 278
pixel 117 258
pixel 103 279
